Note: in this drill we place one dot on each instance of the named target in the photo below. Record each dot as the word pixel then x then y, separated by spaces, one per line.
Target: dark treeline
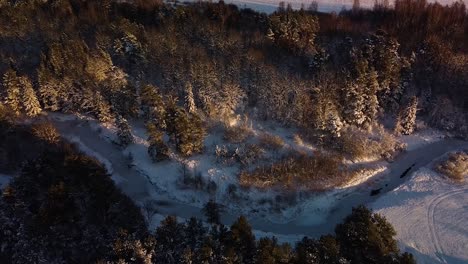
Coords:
pixel 64 208
pixel 321 72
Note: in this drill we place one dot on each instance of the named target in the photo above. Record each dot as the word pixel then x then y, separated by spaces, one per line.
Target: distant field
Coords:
pixel 269 6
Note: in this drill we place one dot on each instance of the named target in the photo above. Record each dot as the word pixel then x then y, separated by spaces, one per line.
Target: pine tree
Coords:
pixel 31 105
pixel 189 133
pixel 354 105
pixel 189 99
pixel 48 89
pixel 157 149
pixel 371 103
pixel 152 105
pixel 334 124
pixel 243 240
pixel 212 212
pixel 365 237
pixel 170 236
pixel 124 132
pixel 406 120
pixel 13 90
pixel 194 234
pixel 102 108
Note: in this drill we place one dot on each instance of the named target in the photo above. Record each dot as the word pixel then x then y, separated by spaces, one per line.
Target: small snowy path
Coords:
pixel 139 188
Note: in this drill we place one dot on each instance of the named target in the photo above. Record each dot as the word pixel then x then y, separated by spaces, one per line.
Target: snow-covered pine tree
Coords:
pixel 354 108
pixel 334 124
pixel 13 90
pixel 102 108
pixel 157 149
pixel 406 120
pixel 31 105
pixel 188 132
pixel 152 105
pixel 124 132
pixel 189 99
pixel 48 93
pixel 371 102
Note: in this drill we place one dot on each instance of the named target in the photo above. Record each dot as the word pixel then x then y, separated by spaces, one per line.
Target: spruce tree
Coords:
pixel 354 105
pixel 102 108
pixel 365 237
pixel 189 99
pixel 48 89
pixel 152 105
pixel 371 103
pixel 13 91
pixel 243 240
pixel 30 103
pixel 194 234
pixel 124 132
pixel 334 124
pixel 406 120
pixel 157 149
pixel 212 212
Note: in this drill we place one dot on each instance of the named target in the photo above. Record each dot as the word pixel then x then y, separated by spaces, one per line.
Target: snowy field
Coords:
pixel 410 203
pixel 327 6
pixel 430 215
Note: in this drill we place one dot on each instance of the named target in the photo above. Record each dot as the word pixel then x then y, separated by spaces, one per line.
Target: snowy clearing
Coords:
pixel 312 215
pixel 429 213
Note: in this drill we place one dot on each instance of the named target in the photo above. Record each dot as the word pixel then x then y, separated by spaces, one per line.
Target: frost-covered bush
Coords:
pixel 249 154
pixel 47 132
pixel 445 115
pixel 270 141
pixel 377 143
pixel 237 134
pixel 318 172
pixel 225 154
pixel 455 166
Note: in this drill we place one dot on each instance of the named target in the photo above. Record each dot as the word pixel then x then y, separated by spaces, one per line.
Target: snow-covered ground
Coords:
pixel 429 212
pixel 430 215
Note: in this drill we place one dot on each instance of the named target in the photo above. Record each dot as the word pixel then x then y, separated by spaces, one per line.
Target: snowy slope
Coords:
pixel 430 215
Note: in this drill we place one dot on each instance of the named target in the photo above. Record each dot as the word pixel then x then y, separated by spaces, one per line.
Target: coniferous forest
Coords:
pixel 350 82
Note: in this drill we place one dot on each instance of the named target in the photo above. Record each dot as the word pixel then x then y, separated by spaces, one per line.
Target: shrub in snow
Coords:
pixel 445 115
pixel 376 143
pixel 249 154
pixel 318 172
pixel 225 154
pixel 158 152
pixel 455 166
pixel 270 141
pixel 237 134
pixel 47 132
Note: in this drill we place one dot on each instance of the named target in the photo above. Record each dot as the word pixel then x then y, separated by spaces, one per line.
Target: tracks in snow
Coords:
pixel 431 220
